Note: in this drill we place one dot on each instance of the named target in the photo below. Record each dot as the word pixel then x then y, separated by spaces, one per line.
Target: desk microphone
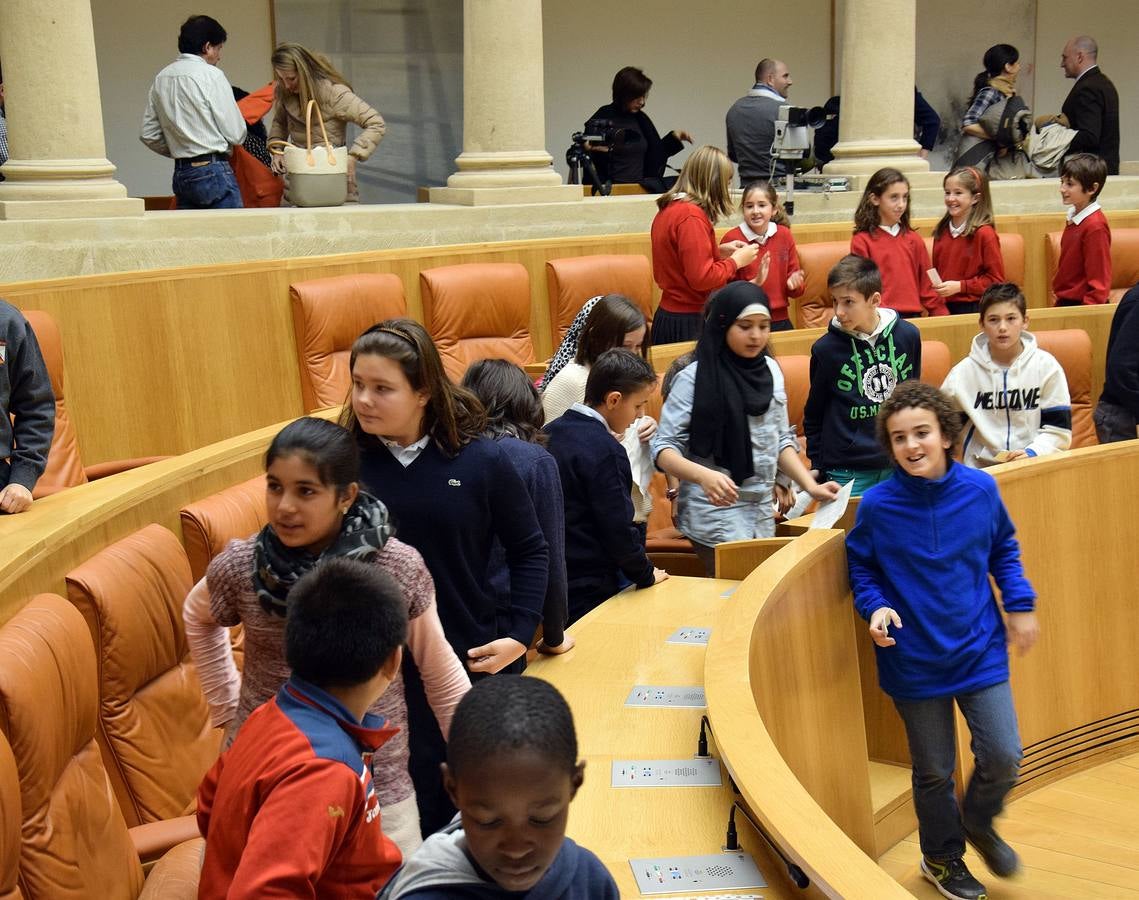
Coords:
pixel 797 875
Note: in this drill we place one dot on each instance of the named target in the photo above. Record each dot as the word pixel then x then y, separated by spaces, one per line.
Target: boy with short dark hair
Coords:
pixel 920 555
pixel 27 411
pixel 512 769
pixel 602 542
pixel 1083 275
pixel 1014 394
pixel 866 352
pixel 290 810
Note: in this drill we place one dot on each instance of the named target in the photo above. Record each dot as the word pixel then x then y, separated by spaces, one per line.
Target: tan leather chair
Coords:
pixel 1073 350
pixel 477 311
pixel 154 729
pixel 935 362
pixel 1012 253
pixel 10 822
pixel 813 308
pixel 74 844
pixel 64 464
pixel 574 279
pixel 209 524
pixel 328 315
pixel 1124 261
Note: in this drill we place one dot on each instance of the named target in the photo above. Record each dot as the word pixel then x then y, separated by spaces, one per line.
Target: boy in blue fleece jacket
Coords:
pixel 938 633
pixel 512 769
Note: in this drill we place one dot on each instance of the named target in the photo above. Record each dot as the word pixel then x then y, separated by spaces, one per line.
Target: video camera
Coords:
pixel 792 130
pixel 600 133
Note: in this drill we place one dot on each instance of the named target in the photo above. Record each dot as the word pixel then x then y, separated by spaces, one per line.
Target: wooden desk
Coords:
pixel 620 644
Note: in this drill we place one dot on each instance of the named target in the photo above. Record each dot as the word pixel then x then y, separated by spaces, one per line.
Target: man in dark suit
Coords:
pixel 1092 106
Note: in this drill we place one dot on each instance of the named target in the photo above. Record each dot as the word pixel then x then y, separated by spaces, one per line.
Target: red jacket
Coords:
pixel 1084 271
pixel 903 261
pixel 784 255
pixel 290 811
pixel 686 258
pixel 975 260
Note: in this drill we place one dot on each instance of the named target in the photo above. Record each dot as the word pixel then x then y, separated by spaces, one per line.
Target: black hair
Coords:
pixel 996 58
pixel 326 446
pixel 628 84
pixel 345 619
pixel 1087 169
pixel 1005 292
pixel 617 370
pixel 511 713
pixel 919 395
pixel 857 273
pixel 513 405
pixel 197 31
pixel 612 317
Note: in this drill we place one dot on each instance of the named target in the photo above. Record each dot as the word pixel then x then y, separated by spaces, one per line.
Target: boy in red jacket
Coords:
pixel 1083 276
pixel 289 810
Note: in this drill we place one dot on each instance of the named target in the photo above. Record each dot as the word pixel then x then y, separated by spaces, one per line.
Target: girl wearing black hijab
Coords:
pixel 724 430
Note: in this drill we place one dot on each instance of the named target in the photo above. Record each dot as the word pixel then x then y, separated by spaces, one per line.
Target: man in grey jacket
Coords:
pixel 751 122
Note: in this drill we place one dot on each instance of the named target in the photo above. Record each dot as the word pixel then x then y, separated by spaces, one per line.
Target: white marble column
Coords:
pixel 504 159
pixel 57 165
pixel 876 120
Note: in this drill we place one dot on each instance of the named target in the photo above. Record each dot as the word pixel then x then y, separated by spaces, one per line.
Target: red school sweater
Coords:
pixel 784 260
pixel 975 260
pixel 1084 271
pixel 903 261
pixel 686 257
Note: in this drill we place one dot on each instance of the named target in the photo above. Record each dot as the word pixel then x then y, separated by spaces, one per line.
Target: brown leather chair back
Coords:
pixel 154 727
pixel 9 824
pixel 935 362
pixel 1124 262
pixel 1012 253
pixel 212 522
pixel 797 379
pixel 328 315
pixel 64 464
pixel 814 309
pixel 74 844
pixel 574 279
pixel 477 311
pixel 1073 351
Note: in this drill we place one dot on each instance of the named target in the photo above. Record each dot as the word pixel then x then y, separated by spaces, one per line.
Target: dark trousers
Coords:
pixel 205 184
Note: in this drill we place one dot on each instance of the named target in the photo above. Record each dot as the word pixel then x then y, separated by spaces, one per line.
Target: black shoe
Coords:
pixel 999 856
pixel 953 880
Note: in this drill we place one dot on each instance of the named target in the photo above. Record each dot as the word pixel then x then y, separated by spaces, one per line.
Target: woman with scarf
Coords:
pixel 724 430
pixel 317 511
pixel 984 146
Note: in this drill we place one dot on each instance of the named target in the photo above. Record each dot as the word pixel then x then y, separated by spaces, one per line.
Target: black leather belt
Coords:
pixel 204 158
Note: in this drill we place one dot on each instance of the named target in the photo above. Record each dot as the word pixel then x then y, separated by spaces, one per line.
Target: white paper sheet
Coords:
pixel 830 512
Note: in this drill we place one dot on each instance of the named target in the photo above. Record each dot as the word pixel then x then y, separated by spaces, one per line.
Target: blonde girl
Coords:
pixel 302 75
pixel 777 271
pixel 688 264
pixel 882 233
pixel 966 251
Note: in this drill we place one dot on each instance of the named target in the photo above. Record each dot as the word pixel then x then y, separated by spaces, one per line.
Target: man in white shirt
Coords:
pixel 191 116
pixel 751 122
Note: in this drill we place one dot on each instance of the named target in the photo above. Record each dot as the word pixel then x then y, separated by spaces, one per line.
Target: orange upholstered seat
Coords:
pixel 1124 261
pixel 573 280
pixel 1073 350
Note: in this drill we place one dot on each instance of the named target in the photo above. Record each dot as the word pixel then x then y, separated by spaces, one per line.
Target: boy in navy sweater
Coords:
pixel 27 411
pixel 866 352
pixel 938 634
pixel 602 543
pixel 511 762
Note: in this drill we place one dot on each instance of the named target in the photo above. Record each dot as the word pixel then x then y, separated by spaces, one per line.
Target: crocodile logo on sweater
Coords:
pixel 336 812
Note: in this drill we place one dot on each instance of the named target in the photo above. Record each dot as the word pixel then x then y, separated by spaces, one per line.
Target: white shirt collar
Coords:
pixel 405 456
pixel 1085 72
pixel 766 90
pixel 591 412
pixel 760 239
pixel 957 231
pixel 1077 217
pixel 892 230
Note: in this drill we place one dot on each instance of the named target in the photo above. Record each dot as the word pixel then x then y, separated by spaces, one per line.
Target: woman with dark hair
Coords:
pixel 452 493
pixel 983 146
pixel 514 419
pixel 638 154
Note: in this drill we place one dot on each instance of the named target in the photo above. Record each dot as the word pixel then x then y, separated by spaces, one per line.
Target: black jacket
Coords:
pixel 657 150
pixel 26 397
pixel 1092 108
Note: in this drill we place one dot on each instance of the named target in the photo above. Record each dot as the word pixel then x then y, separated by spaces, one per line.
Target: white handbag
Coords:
pixel 317 176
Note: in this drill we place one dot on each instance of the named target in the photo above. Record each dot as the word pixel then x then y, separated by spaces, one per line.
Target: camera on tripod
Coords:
pixel 598 133
pixel 793 127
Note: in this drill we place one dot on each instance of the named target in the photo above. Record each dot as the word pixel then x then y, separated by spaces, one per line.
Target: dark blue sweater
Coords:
pixel 25 396
pixel 849 379
pixel 925 548
pixel 601 539
pixel 451 511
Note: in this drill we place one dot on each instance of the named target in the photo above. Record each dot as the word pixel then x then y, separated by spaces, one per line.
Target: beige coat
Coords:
pixel 339 106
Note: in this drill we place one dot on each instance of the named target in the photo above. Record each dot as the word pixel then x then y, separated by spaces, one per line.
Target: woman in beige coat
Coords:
pixel 301 76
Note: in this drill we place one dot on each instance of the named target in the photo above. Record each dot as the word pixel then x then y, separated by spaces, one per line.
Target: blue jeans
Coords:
pixel 997 753
pixel 863 479
pixel 205 185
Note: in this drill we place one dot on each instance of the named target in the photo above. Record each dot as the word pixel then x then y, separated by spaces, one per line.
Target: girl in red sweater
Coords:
pixel 777 269
pixel 966 251
pixel 688 264
pixel 882 233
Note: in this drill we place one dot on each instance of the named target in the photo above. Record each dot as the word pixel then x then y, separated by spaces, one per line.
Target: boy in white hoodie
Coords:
pixel 1014 394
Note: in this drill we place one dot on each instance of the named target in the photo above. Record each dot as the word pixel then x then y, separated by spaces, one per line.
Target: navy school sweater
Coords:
pixel 451 510
pixel 596 481
pixel 850 377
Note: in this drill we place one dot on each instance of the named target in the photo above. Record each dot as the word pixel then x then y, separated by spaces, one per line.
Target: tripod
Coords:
pixel 578 158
